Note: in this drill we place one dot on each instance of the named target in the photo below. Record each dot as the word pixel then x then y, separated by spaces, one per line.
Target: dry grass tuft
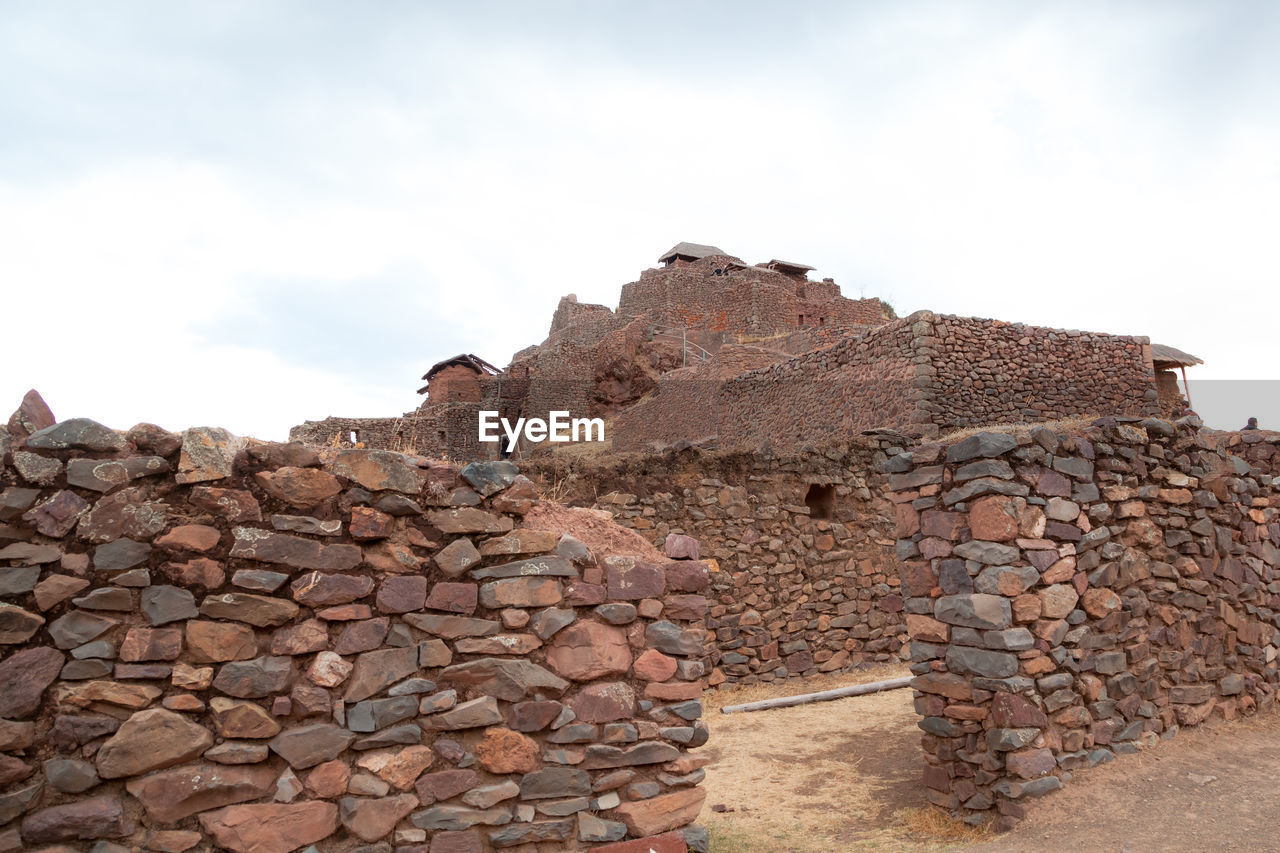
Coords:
pixel 931 825
pixel 1021 430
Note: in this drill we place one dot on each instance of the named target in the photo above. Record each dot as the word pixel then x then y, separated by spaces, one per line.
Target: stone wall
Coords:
pixel 988 371
pixel 210 643
pixel 1077 597
pixel 686 405
pixel 792 593
pixel 826 395
pixel 440 430
pixel 712 294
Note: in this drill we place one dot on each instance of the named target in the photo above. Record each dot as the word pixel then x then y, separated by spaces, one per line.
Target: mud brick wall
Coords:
pixel 826 395
pixel 1077 597
pixel 208 643
pixel 986 371
pixel 792 593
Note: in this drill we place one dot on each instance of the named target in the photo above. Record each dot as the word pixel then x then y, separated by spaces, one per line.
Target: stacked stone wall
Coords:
pixel 208 643
pixel 792 594
pixel 750 301
pixel 826 395
pixel 987 371
pixel 1077 597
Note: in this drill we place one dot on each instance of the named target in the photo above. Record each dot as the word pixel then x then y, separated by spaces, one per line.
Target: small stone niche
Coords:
pixel 821 501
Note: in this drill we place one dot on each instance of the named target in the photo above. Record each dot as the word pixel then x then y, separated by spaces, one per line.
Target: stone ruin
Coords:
pixel 1072 598
pixel 710 350
pixel 215 643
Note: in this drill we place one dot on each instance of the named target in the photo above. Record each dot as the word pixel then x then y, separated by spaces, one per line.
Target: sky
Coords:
pixel 251 214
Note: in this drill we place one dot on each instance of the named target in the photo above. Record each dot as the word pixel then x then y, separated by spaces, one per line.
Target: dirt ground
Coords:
pixel 829 776
pixel 844 776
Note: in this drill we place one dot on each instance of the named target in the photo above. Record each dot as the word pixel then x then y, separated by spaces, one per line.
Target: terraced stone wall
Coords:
pixel 796 590
pixel 1072 598
pixel 213 644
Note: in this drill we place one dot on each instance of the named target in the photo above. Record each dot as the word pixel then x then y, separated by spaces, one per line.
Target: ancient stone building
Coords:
pixel 708 348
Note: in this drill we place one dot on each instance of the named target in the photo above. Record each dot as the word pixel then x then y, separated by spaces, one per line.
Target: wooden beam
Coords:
pixel 822 696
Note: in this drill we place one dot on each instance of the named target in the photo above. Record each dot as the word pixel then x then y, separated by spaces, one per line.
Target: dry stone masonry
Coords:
pixel 1077 597
pixel 805 580
pixel 208 643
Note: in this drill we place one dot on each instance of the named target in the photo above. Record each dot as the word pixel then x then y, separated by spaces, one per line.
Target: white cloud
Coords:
pixel 423 182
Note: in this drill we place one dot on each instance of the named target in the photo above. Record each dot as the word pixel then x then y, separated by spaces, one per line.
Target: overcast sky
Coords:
pixel 250 214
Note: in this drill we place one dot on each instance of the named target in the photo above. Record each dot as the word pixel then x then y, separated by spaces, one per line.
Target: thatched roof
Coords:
pixel 693 251
pixel 785 266
pixel 475 362
pixel 1161 354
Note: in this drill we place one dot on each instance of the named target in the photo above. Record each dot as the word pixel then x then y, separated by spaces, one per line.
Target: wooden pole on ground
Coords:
pixel 823 696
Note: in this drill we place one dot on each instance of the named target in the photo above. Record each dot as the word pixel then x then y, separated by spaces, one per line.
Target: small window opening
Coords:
pixel 355 436
pixel 800 322
pixel 820 500
pixel 440 436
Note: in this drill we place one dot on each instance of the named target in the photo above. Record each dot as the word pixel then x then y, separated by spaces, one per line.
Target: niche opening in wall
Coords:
pixel 821 500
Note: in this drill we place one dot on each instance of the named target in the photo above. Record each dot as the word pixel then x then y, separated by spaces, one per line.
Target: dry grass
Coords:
pixel 828 776
pixel 1018 429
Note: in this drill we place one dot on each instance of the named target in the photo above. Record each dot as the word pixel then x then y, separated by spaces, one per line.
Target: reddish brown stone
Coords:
pixel 233 505
pixel 150 644
pixel 1009 710
pixel 687 575
pixel 399 767
pixel 190 537
pixel 653 665
pixel 533 716
pixel 362 636
pixel 96 817
pixel 457 841
pixel 56 516
pixel 171 795
pixel 505 751
pixel 588 650
pixel 236 719
pixel 300 487
pixel 270 827
pixel 198 572
pixel 328 781
pixel 24 676
pixel 445 785
pixel 409 592
pixel 301 639
pixel 673 691
pixel 371 819
pixel 345 613
pixel 369 523
pixel 606 702
pixel 31 416
pixel 56 589
pixel 520 592
pixel 308 700
pixel 13 769
pixel 631 579
pixel 993 519
pixel 316 589
pixel 151 740
pixel 216 642
pixel 661 813
pixel 294 551
pixel 669 842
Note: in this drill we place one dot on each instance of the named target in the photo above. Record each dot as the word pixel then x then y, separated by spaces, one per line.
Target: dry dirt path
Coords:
pixel 844 776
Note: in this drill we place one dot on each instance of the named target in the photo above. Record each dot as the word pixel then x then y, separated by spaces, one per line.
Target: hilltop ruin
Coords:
pixel 708 349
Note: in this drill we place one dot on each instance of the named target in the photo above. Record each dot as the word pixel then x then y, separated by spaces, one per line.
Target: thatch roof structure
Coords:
pixel 475 362
pixel 1167 356
pixel 788 267
pixel 690 252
